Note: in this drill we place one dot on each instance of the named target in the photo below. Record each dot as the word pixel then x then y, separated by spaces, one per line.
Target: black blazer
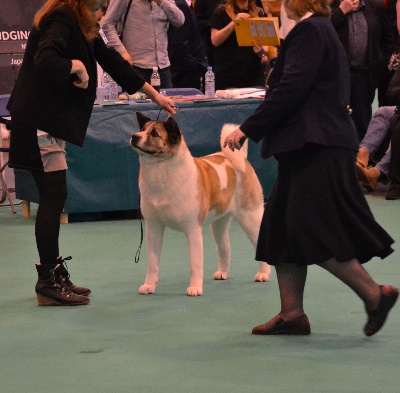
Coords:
pixel 44 96
pixel 380 44
pixel 309 90
pixel 187 49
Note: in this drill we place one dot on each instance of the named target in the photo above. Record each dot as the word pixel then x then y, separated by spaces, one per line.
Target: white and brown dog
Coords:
pixel 184 193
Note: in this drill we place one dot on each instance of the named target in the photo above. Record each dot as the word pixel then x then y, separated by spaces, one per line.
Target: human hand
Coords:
pixel 242 15
pixel 235 139
pixel 260 51
pixel 165 102
pixel 127 57
pixel 349 5
pixel 79 69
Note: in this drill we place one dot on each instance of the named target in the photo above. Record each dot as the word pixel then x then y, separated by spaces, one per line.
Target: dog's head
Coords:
pixel 159 139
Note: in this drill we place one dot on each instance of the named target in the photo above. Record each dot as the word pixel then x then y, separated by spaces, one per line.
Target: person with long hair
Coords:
pixel 234 65
pixel 316 213
pixel 50 105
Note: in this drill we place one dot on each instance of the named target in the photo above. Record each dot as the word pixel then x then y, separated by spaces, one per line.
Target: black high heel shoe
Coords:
pixel 299 326
pixel 377 318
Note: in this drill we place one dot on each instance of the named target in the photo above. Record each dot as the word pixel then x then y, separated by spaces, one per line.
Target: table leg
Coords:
pixel 26 209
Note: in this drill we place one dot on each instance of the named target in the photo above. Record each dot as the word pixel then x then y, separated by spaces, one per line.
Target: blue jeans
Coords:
pixel 378 129
pixel 165 76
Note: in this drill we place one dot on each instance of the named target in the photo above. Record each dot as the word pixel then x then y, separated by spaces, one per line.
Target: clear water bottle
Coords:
pixel 155 80
pixel 111 87
pixel 209 83
pixel 105 83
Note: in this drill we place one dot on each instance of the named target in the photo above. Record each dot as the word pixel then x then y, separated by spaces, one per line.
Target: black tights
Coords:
pixel 52 188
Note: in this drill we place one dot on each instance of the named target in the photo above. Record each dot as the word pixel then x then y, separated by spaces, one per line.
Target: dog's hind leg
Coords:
pixel 250 221
pixel 220 229
pixel 154 240
pixel 196 255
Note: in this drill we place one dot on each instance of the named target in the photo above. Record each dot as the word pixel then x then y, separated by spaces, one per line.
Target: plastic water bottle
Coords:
pixel 104 83
pixel 111 93
pixel 209 83
pixel 155 80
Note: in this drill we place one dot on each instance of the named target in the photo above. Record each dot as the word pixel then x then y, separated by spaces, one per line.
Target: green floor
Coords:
pixel 170 343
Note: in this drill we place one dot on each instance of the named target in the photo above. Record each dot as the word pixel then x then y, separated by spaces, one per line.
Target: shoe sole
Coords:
pixel 287 331
pixel 45 301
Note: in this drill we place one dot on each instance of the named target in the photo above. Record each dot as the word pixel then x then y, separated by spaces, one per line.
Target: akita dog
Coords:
pixel 184 193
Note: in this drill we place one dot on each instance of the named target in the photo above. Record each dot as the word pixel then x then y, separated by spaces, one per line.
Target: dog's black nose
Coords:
pixel 135 139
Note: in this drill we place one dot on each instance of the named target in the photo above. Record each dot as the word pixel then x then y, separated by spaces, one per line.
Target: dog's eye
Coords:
pixel 154 133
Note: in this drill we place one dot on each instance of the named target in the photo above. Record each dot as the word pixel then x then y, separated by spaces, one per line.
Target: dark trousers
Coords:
pixel 361 98
pixel 165 76
pixel 395 155
pixel 188 78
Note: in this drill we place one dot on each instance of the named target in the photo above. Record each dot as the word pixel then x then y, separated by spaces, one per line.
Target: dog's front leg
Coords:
pixel 154 239
pixel 195 241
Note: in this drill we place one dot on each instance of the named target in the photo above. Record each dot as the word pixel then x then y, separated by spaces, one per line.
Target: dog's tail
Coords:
pixel 237 157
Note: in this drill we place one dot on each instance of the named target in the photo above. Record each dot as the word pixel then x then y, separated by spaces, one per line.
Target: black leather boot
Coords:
pixel 51 289
pixel 65 274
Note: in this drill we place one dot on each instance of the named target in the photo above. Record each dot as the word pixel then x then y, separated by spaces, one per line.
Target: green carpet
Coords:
pixel 170 343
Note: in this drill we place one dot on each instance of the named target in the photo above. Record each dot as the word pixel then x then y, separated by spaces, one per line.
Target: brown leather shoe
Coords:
pixel 296 327
pixel 394 193
pixel 377 318
pixel 83 291
pixel 368 176
pixel 51 289
pixel 362 157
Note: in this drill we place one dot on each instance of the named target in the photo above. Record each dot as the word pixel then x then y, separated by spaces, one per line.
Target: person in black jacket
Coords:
pixel 51 104
pixel 187 50
pixel 316 213
pixel 367 36
pixel 203 10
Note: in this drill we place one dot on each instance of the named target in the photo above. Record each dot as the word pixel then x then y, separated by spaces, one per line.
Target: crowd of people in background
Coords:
pixel 183 37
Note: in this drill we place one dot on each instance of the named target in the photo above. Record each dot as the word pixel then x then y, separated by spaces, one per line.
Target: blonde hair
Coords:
pixel 301 7
pixel 232 8
pixel 86 19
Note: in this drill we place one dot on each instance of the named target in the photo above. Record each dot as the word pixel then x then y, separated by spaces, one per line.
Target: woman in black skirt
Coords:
pixel 317 213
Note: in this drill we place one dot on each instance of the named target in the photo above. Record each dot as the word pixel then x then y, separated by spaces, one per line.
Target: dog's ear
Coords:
pixel 142 119
pixel 174 133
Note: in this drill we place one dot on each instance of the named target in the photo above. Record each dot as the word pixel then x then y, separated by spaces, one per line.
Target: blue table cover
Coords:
pixel 103 175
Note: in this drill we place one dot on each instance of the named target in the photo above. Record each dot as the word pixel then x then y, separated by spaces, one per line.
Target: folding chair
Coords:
pixel 5 193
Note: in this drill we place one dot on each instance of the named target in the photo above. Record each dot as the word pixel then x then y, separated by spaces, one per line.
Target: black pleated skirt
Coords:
pixel 317 211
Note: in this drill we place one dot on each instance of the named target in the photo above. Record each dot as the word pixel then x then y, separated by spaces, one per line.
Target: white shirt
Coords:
pixel 145 33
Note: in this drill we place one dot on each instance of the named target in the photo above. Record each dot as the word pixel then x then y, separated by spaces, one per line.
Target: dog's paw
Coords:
pixel 194 291
pixel 262 277
pixel 147 289
pixel 220 275
pixel 263 273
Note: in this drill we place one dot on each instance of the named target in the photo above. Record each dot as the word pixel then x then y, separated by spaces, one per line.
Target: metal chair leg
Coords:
pixel 5 191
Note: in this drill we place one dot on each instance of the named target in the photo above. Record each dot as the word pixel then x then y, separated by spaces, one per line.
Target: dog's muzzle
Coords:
pixel 134 140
